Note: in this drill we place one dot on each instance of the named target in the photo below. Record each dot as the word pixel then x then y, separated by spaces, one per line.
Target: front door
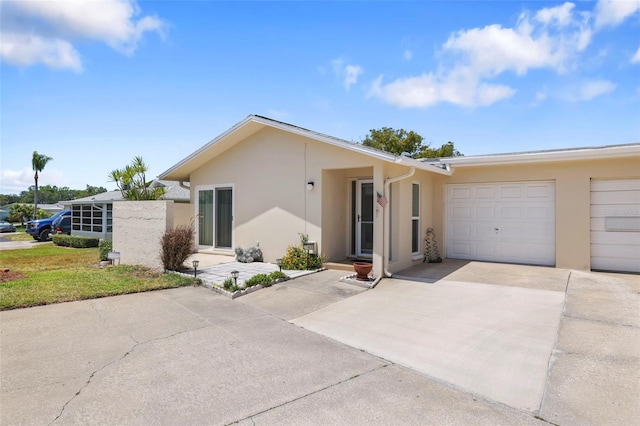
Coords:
pixel 364 218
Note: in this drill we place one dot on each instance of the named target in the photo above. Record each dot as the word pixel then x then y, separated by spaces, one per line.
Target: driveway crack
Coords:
pixel 126 354
pixel 309 394
pixel 91 377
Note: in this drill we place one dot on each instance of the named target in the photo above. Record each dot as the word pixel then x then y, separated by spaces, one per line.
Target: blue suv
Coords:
pixel 41 228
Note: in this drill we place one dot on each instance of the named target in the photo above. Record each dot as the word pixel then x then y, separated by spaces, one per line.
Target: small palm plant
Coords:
pixel 132 182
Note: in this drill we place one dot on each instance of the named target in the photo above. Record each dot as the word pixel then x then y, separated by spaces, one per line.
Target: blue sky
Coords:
pixel 95 83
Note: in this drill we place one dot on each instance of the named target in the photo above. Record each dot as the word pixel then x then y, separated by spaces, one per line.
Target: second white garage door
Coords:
pixel 510 222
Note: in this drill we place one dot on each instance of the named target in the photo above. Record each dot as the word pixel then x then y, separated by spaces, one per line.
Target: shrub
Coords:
pixel 296 258
pixel 177 245
pixel 229 285
pixel 278 275
pixel 75 241
pixel 105 247
pixel 263 279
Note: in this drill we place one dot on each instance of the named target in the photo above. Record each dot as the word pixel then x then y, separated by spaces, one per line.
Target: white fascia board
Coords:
pixel 409 162
pixel 619 151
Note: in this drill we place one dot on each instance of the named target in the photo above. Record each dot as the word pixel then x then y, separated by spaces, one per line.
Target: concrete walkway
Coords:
pixel 214 269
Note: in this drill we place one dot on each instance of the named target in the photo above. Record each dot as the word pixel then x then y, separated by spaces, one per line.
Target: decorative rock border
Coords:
pixel 351 279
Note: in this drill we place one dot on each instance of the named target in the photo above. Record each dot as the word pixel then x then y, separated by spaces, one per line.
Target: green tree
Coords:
pixel 394 141
pixel 19 212
pixel 132 182
pixel 446 150
pixel 38 162
pixel 400 142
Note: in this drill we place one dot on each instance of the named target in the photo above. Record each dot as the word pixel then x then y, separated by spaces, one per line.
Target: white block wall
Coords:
pixel 138 227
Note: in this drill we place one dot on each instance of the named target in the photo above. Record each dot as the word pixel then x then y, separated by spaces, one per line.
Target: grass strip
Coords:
pixel 56 274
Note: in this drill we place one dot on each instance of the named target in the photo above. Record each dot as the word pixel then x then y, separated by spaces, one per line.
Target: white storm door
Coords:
pixel 512 222
pixel 364 218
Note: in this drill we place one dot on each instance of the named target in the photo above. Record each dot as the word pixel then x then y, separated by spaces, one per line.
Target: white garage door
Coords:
pixel 510 222
pixel 615 225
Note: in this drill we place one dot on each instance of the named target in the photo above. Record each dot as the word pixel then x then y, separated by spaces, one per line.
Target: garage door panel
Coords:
pixel 540 192
pixel 631 197
pixel 462 250
pixel 615 264
pixel 484 212
pixel 483 193
pixel 511 212
pixel 508 222
pixel 544 212
pixel 615 225
pixel 616 251
pixel 510 191
pixel 460 212
pixel 460 193
pixel 615 238
pixel 598 185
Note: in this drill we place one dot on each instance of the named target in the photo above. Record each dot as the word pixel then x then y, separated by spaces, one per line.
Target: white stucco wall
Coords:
pixel 138 227
pixel 183 214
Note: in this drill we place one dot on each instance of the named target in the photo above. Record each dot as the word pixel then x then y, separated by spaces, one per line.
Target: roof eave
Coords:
pixel 545 157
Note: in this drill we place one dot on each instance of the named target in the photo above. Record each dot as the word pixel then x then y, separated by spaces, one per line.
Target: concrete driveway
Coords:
pixel 190 356
pixel 494 330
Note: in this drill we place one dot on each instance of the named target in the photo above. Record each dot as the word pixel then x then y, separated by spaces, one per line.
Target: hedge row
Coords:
pixel 75 241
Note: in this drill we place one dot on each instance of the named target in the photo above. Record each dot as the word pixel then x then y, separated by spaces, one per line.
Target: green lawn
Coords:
pixel 49 274
pixel 19 236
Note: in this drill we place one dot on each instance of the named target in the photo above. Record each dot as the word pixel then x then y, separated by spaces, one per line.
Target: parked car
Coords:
pixel 7 227
pixel 41 228
pixel 62 225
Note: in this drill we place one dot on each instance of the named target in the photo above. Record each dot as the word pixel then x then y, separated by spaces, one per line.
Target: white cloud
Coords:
pixel 429 89
pixel 408 55
pixel 549 39
pixel 348 72
pixel 44 31
pixel 15 181
pixel 635 59
pixel 592 89
pixel 27 49
pixel 611 13
pixel 560 15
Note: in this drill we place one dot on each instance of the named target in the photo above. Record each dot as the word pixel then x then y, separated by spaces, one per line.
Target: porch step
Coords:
pixel 339 266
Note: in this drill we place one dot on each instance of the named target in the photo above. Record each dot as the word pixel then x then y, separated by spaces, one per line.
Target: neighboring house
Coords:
pixel 267 181
pixel 92 216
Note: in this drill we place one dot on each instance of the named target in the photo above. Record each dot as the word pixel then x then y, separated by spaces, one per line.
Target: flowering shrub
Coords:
pixel 296 258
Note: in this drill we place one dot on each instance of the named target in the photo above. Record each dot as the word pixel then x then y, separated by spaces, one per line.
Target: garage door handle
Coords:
pixel 496 229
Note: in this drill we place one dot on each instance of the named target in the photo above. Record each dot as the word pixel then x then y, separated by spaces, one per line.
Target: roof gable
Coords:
pixel 255 123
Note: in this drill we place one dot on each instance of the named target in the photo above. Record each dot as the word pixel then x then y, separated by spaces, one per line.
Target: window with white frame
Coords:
pixel 91 218
pixel 415 218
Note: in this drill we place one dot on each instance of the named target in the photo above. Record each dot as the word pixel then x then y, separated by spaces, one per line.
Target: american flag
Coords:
pixel 382 200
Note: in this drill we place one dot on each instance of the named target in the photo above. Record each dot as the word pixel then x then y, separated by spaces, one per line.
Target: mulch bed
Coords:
pixel 6 275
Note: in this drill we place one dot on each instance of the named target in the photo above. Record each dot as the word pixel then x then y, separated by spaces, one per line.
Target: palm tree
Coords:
pixel 38 161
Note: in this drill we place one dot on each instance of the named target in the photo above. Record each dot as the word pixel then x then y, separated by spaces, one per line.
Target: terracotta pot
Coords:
pixel 362 270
